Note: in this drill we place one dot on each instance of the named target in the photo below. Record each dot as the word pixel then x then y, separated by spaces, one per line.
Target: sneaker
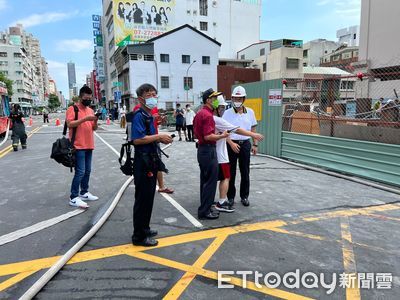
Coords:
pixel 224 207
pixel 89 197
pixel 77 202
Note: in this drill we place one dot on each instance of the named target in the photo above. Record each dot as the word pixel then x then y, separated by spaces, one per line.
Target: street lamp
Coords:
pixel 187 81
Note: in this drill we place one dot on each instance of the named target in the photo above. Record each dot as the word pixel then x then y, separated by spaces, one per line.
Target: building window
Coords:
pixel 187 83
pixel 242 56
pixel 203 26
pixel 347 85
pixel 335 57
pixel 206 60
pixel 292 63
pixel 264 67
pixel 305 53
pixel 3 63
pixel 291 85
pixel 110 26
pixel 164 82
pixel 355 36
pixel 164 58
pixel 17 55
pixel 3 54
pixel 186 59
pixel 203 5
pixel 4 72
pixel 311 85
pixel 262 52
pixel 169 105
pixel 111 44
pixel 113 74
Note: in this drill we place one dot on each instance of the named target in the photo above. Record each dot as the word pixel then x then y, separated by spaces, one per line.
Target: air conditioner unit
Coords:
pixel 194 12
pixel 214 3
pixel 215 23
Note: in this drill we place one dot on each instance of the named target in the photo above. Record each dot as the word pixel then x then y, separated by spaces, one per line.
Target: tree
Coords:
pixel 54 102
pixel 8 83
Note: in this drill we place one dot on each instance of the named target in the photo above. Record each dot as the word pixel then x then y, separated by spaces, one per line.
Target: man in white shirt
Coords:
pixel 240 146
pixel 189 116
pixel 224 174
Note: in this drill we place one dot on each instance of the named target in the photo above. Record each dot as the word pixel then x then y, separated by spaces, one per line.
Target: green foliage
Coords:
pixel 8 83
pixel 54 102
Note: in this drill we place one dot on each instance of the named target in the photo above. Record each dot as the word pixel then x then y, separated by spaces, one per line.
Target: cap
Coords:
pixel 239 91
pixel 221 100
pixel 210 93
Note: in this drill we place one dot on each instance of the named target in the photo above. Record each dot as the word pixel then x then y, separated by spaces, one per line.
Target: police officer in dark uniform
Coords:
pixel 147 163
pixel 204 129
pixel 18 128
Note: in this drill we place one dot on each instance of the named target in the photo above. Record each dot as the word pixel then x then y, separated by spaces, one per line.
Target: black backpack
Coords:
pixel 63 150
pixel 127 167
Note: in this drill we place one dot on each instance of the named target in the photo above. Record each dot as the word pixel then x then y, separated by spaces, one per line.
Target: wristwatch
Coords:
pixel 254 145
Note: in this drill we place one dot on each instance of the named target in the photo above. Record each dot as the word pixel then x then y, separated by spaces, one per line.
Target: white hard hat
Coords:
pixel 221 100
pixel 239 91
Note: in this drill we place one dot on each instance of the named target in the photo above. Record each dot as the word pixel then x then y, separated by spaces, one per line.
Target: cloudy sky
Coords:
pixel 64 27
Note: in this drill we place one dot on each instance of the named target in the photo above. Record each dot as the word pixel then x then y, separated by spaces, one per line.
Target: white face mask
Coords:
pixel 237 104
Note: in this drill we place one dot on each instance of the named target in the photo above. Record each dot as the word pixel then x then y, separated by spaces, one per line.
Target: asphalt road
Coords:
pixel 298 219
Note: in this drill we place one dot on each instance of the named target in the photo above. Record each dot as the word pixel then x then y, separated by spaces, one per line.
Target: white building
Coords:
pixel 315 49
pixel 170 66
pixel 379 51
pixel 257 53
pixel 235 24
pixel 349 36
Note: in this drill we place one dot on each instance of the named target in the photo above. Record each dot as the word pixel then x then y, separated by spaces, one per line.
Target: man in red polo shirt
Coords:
pixel 204 129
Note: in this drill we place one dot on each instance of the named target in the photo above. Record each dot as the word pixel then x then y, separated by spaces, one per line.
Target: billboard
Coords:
pixel 138 21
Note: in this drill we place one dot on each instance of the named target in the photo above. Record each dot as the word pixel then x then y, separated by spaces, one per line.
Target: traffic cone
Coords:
pixel 30 121
pixel 58 123
pixel 108 121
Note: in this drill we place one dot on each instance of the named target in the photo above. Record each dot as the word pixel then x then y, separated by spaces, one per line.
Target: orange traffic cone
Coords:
pixel 108 121
pixel 30 121
pixel 58 123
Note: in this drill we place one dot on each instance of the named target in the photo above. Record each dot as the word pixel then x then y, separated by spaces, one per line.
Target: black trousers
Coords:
pixel 190 132
pixel 207 158
pixel 18 134
pixel 145 187
pixel 244 166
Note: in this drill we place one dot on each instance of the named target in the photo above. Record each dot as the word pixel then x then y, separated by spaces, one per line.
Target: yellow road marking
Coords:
pixel 9 148
pixel 382 217
pixel 349 263
pixel 214 275
pixel 14 280
pixel 188 277
pixel 128 249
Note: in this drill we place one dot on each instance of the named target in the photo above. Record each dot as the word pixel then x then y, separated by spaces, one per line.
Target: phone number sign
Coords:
pixel 275 98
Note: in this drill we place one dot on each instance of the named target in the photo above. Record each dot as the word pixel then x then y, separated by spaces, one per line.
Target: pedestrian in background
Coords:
pixel 147 164
pixel 240 147
pixel 84 146
pixel 179 115
pixel 18 127
pixel 189 117
pixel 204 129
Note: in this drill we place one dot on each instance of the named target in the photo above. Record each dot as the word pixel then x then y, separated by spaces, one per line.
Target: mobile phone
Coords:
pixel 98 114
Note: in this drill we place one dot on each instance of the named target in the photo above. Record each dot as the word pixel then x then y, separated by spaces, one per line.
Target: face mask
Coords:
pixel 215 104
pixel 237 104
pixel 86 102
pixel 188 109
pixel 151 102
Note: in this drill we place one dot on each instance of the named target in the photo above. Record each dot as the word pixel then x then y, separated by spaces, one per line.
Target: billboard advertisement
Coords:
pixel 138 21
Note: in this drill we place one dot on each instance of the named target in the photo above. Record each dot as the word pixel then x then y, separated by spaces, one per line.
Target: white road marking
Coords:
pixel 10 237
pixel 183 211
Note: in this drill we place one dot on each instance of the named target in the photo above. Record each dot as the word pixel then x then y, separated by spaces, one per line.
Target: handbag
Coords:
pixel 63 150
pixel 127 167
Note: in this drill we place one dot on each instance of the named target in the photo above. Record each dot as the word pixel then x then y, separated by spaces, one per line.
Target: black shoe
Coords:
pixel 245 202
pixel 224 207
pixel 24 147
pixel 146 242
pixel 231 202
pixel 180 139
pixel 151 233
pixel 209 216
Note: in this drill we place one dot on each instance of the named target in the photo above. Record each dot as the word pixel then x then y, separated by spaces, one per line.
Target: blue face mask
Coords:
pixel 151 102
